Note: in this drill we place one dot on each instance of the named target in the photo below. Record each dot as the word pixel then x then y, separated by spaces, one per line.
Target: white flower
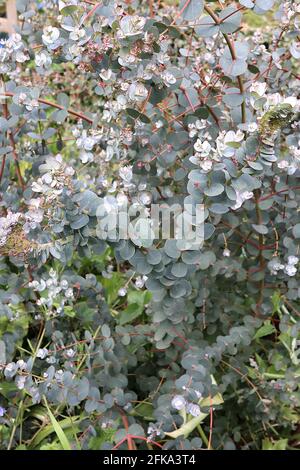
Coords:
pixel 47 178
pixel 158 124
pixel 224 140
pixel 70 352
pixel 193 409
pixel 278 267
pixel 42 353
pixel 273 100
pixel 145 198
pixel 137 92
pixel 178 402
pixel 15 41
pixel 122 292
pixel 206 165
pixel 37 187
pixel 126 173
pixel 64 284
pixel 42 59
pixel 204 148
pixel 21 364
pixel 252 127
pixel 140 281
pixel 20 382
pixel 69 293
pixel 247 195
pixel 131 26
pixel 86 142
pixel 50 35
pixel 105 74
pixel 226 253
pixel 290 270
pixel 77 34
pixel 293 260
pixel 293 101
pixel 86 157
pixel 21 57
pixel 168 78
pixel 242 197
pixel 259 88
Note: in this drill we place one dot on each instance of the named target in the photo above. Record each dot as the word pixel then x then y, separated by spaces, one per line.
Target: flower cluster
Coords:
pixel 288 268
pixel 54 293
pixel 56 176
pixel 7 224
pixel 180 403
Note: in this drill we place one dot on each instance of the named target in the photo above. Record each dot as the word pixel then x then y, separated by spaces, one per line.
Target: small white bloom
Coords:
pixel 105 74
pixel 204 148
pixel 42 353
pixel 70 352
pixel 226 253
pixel 21 57
pixel 137 92
pixel 168 78
pixel 140 281
pixel 259 88
pixel 50 35
pixel 21 364
pixel 193 409
pixel 126 173
pixel 241 197
pixel 178 402
pixel 69 293
pixel 145 198
pixel 131 26
pixel 290 270
pixel 77 34
pixel 252 127
pixel 20 382
pixel 278 266
pixel 42 59
pixel 293 260
pixel 247 195
pixel 122 292
pixel 206 165
pixel 64 284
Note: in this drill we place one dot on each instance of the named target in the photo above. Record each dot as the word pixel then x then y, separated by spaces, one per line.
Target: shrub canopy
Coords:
pixel 146 342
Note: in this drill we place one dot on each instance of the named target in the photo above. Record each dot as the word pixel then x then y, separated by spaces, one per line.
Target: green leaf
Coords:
pixel 136 302
pixel 144 410
pixel 132 312
pixel 266 330
pixel 58 429
pixel 191 10
pixel 281 444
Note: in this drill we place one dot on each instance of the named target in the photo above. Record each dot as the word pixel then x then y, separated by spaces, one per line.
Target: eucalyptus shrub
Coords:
pixel 143 342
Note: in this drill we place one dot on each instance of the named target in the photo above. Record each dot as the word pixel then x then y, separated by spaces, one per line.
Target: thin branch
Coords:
pixel 216 19
pixel 58 106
